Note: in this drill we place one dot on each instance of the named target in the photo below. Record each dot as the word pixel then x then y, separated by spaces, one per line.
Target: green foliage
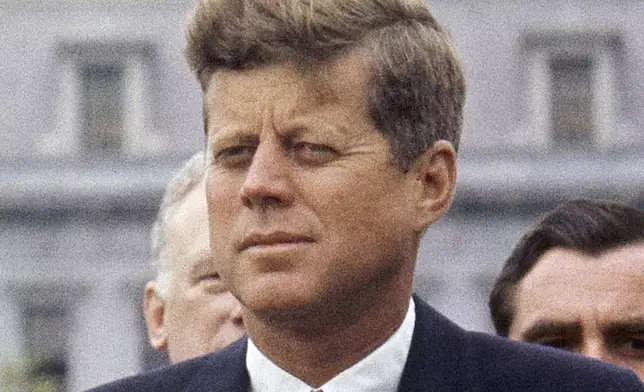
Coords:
pixel 24 376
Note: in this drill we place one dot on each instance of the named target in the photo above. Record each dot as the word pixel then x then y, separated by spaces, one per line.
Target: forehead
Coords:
pixel 187 229
pixel 609 268
pixel 287 88
pixel 566 284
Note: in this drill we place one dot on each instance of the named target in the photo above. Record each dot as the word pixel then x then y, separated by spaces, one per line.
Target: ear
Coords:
pixel 435 175
pixel 153 309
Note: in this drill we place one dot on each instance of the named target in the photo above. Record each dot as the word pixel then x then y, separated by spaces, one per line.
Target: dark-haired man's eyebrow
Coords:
pixel 624 328
pixel 548 328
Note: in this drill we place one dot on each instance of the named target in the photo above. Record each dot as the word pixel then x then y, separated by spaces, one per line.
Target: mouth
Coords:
pixel 274 239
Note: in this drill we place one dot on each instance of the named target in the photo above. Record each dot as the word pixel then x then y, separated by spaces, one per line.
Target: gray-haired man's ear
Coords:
pixel 153 309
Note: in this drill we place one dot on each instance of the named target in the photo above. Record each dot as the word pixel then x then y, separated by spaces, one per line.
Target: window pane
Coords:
pixel 102 107
pixel 572 101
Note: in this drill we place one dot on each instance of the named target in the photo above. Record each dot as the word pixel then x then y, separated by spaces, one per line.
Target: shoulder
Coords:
pixel 520 366
pixel 223 371
pixel 483 362
pixel 167 378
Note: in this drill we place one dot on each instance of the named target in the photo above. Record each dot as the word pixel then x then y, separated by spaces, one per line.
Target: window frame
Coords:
pixel 138 59
pixel 539 49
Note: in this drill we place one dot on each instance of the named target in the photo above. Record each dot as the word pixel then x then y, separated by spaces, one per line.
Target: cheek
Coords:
pixel 218 195
pixel 175 315
pixel 210 317
pixel 223 189
pixel 366 226
pixel 221 215
pixel 362 207
pixel 204 311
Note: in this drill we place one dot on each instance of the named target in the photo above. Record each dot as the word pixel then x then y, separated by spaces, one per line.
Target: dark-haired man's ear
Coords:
pixel 435 175
pixel 153 309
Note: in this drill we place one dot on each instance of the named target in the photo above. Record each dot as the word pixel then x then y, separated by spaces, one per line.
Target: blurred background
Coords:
pixel 98 109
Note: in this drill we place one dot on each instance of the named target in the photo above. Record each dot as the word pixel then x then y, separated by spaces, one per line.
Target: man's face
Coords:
pixel 305 204
pixel 590 305
pixel 199 316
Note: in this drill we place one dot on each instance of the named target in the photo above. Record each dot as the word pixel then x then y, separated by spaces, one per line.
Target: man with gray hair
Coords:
pixel 188 310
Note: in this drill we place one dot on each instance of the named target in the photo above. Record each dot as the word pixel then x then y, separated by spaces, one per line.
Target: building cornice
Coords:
pixel 521 179
pixel 484 179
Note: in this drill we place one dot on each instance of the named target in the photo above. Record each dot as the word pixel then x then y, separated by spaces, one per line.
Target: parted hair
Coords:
pixel 183 182
pixel 415 89
pixel 588 226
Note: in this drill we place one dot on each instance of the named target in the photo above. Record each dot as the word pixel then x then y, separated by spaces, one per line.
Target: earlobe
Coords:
pixel 153 309
pixel 435 173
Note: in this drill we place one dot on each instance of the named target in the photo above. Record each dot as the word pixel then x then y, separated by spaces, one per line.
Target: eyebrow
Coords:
pixel 546 328
pixel 227 136
pixel 291 129
pixel 634 326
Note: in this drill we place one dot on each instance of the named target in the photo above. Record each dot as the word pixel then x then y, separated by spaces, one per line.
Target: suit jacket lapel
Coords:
pixel 224 371
pixel 438 359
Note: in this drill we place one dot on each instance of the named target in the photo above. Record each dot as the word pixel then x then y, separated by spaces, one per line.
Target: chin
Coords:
pixel 278 295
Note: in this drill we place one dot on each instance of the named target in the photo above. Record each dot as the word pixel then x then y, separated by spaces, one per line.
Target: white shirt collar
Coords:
pixel 379 371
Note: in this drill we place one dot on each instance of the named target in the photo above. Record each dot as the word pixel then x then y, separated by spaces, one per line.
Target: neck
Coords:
pixel 319 350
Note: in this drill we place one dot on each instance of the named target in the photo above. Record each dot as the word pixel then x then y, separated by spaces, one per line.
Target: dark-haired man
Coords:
pixel 576 282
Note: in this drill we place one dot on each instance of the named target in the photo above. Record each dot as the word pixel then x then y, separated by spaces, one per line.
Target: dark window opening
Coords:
pixel 572 101
pixel 102 103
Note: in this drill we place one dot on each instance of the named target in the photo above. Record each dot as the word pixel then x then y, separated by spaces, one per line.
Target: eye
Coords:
pixel 313 153
pixel 210 277
pixel 235 156
pixel 557 342
pixel 632 346
pixel 212 283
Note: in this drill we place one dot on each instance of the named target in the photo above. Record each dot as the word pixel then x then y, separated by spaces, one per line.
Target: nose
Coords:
pixel 267 181
pixel 595 350
pixel 237 315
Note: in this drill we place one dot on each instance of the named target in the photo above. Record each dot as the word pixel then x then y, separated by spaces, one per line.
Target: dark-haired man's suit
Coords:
pixel 442 358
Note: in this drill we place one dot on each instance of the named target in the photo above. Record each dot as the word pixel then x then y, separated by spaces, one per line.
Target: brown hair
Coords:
pixel 416 89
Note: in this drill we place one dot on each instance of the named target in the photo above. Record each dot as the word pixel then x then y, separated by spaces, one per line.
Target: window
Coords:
pixel 104 100
pixel 571 89
pixel 102 107
pixel 571 101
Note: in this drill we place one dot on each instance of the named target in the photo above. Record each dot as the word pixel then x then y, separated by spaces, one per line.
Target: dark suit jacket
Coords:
pixel 442 358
